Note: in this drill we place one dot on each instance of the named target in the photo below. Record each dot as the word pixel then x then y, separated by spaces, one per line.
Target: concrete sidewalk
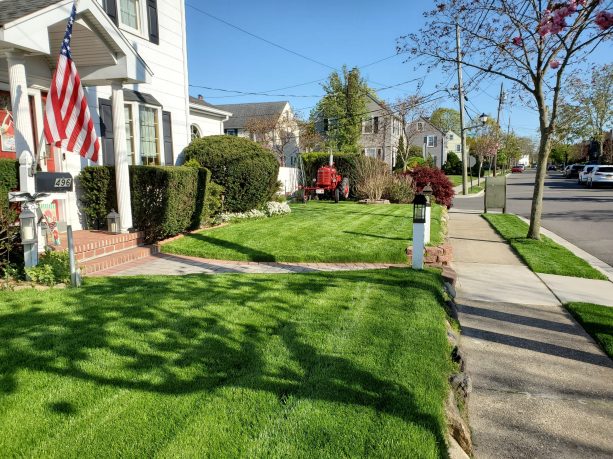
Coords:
pixel 541 386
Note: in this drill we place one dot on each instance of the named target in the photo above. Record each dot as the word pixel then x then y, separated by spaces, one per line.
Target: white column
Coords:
pixel 24 142
pixel 122 174
pixel 427 224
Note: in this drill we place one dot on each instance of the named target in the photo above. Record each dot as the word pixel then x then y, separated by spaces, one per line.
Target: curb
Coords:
pixel 596 263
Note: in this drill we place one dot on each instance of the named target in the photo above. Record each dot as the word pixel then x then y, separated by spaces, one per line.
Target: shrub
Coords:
pixel 247 171
pixel 371 177
pixel 53 268
pixel 213 204
pixel 343 161
pixel 453 165
pixel 165 200
pixel 276 208
pixel 400 189
pixel 99 197
pixel 442 187
pixel 9 232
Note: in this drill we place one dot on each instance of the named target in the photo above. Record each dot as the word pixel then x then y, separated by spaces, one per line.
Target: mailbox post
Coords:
pixel 420 204
pixel 427 191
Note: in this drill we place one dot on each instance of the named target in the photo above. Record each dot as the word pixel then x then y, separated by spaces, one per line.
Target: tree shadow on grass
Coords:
pixel 250 252
pixel 197 334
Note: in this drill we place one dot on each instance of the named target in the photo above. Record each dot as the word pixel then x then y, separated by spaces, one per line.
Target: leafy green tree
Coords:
pixel 446 119
pixel 343 107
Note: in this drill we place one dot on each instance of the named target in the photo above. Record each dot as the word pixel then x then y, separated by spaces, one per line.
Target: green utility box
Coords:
pixel 495 193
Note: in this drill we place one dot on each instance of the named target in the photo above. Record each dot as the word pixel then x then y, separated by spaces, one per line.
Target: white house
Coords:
pixel 206 119
pixel 132 59
pixel 273 124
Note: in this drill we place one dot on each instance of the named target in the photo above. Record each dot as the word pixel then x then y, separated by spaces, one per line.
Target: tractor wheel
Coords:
pixel 337 195
pixel 345 188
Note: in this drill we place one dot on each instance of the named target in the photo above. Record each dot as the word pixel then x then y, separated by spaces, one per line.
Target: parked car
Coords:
pixel 584 173
pixel 573 171
pixel 551 167
pixel 602 174
pixel 518 168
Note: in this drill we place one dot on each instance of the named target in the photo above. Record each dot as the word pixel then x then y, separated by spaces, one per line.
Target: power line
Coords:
pixel 272 43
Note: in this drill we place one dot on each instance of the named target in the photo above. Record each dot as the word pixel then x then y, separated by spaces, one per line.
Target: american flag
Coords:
pixel 68 122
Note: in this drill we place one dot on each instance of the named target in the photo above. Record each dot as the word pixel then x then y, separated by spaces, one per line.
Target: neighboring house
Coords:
pixel 381 132
pixel 272 124
pixel 434 143
pixel 132 59
pixel 206 119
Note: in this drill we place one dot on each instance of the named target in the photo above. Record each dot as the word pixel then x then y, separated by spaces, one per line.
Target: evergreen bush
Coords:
pixel 10 250
pixel 453 165
pixel 247 171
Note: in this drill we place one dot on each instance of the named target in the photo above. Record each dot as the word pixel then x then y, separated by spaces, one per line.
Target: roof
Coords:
pixel 10 10
pixel 242 112
pixel 197 101
pixel 130 95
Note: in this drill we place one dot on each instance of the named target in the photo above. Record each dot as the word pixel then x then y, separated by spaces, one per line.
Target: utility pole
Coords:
pixel 461 97
pixel 500 101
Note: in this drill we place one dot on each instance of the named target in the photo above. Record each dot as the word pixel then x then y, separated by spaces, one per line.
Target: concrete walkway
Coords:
pixel 541 386
pixel 178 265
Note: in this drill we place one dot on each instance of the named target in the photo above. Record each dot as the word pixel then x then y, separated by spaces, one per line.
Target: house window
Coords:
pixel 458 148
pixel 195 130
pixel 367 126
pixel 231 131
pixel 149 135
pixel 129 117
pixel 130 13
pixel 431 142
pixel 371 152
pixel 420 126
pixel 450 136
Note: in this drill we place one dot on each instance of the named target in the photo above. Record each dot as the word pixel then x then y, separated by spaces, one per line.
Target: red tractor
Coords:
pixel 329 183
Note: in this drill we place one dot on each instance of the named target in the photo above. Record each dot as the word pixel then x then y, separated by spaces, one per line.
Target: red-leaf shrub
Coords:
pixel 442 188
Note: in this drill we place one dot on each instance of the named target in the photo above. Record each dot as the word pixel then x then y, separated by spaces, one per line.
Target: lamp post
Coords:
pixel 29 235
pixel 483 118
pixel 420 204
pixel 427 191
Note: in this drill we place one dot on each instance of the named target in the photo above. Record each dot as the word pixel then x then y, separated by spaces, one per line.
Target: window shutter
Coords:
pixel 435 140
pixel 326 124
pixel 107 136
pixel 376 125
pixel 426 140
pixel 110 7
pixel 152 15
pixel 167 127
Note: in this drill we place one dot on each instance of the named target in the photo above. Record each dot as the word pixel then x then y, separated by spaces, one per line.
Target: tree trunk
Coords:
pixel 539 184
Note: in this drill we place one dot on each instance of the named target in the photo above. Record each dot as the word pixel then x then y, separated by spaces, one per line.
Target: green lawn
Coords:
pixel 597 321
pixel 314 232
pixel 544 256
pixel 305 365
pixel 457 179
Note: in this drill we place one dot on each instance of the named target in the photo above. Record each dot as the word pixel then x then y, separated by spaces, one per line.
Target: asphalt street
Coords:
pixel 580 215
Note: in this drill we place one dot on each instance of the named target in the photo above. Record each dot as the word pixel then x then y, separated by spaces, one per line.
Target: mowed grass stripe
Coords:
pixel 315 365
pixel 315 232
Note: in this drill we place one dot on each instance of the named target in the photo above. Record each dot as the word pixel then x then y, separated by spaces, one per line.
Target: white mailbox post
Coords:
pixel 419 230
pixel 427 191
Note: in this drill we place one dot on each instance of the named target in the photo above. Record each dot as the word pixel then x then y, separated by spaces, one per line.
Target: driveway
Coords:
pixel 580 215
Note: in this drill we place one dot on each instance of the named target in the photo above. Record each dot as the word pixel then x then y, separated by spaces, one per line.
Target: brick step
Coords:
pixel 93 244
pixel 116 258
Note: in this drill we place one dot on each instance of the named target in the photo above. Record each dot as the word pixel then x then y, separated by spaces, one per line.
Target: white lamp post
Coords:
pixel 29 236
pixel 427 191
pixel 419 230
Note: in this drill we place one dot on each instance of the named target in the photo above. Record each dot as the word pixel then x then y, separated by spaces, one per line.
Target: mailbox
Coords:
pixel 53 182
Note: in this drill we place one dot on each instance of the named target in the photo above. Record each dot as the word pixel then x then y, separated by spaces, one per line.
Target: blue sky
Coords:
pixel 333 32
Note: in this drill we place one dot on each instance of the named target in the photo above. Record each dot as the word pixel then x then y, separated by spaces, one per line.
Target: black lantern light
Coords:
pixel 420 202
pixel 112 222
pixel 427 191
pixel 27 221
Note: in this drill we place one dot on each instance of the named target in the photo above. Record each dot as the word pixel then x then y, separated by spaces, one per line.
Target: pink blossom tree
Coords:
pixel 530 43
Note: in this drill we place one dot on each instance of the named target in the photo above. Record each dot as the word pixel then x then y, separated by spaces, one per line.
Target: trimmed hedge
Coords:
pixel 9 174
pixel 247 171
pixel 10 250
pixel 344 162
pixel 165 200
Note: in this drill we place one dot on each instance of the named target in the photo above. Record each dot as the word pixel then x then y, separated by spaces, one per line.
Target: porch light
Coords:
pixel 27 221
pixel 420 202
pixel 483 118
pixel 112 222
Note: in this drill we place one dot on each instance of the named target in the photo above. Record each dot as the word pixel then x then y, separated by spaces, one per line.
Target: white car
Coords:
pixel 584 173
pixel 602 174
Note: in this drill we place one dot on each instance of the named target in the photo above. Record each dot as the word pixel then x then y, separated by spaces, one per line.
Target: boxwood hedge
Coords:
pixel 247 171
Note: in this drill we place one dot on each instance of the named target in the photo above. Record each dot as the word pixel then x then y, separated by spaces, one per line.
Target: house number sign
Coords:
pixel 53 182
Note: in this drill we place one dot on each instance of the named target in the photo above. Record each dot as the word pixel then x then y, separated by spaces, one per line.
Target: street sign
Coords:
pixel 53 182
pixel 472 161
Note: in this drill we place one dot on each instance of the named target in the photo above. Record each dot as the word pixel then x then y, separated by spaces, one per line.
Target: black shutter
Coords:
pixel 326 125
pixel 152 15
pixel 376 123
pixel 435 140
pixel 110 6
pixel 167 127
pixel 106 131
pixel 426 140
